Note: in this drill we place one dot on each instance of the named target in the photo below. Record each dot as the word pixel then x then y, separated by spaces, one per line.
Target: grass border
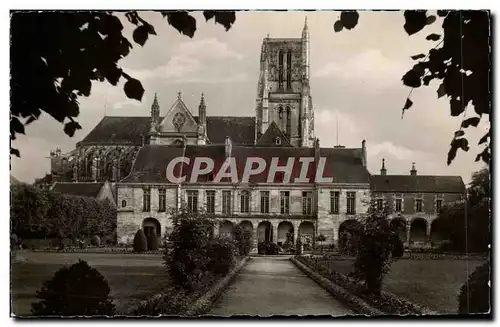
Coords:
pixel 352 301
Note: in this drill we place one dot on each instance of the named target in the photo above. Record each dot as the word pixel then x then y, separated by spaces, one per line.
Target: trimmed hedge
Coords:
pixel 140 241
pixel 268 248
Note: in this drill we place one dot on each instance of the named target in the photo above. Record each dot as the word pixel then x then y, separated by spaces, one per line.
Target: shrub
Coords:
pixel 243 240
pixel 186 252
pixel 95 240
pixel 172 301
pixel 153 242
pixel 478 292
pixel 221 253
pixel 298 248
pixel 140 242
pixel 268 248
pixel 75 291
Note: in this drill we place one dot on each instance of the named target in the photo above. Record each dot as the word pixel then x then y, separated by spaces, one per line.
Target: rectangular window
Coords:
pixel 399 205
pixel 162 200
pixel 439 204
pixel 351 203
pixel 210 201
pixel 264 202
pixel 226 202
pixel 245 202
pixel 380 204
pixel 146 200
pixel 418 205
pixel 285 202
pixel 192 200
pixel 306 203
pixel 334 202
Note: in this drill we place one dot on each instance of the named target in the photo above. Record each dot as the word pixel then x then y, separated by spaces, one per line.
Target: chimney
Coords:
pixel 228 146
pixel 383 171
pixel 413 171
pixel 363 152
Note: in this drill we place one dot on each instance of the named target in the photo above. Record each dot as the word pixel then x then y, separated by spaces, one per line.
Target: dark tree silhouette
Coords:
pixel 461 60
pixel 57 56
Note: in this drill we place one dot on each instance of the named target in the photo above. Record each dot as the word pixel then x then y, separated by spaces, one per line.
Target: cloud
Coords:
pixel 326 121
pixel 189 58
pixel 397 151
pixel 369 65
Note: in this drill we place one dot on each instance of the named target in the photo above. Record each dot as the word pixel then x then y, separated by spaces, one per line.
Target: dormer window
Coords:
pixel 278 140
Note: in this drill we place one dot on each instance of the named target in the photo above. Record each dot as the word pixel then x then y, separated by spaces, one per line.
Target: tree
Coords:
pixel 377 241
pixel 461 60
pixel 78 290
pixel 242 239
pixel 56 57
pixel 475 293
pixel 321 238
pixel 28 211
pixel 140 241
pixel 469 232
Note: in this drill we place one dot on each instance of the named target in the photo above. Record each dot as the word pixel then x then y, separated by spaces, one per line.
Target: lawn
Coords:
pixel 132 277
pixel 432 283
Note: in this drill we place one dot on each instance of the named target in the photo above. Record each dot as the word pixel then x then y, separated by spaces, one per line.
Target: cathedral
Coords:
pixel 132 153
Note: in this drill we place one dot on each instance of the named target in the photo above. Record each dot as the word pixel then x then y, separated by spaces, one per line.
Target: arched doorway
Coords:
pixel 285 233
pixel 306 234
pixel 151 226
pixel 399 224
pixel 349 236
pixel 264 232
pixel 226 229
pixel 418 231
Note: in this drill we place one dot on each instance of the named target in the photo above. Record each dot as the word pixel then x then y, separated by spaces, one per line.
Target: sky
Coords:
pixel 355 84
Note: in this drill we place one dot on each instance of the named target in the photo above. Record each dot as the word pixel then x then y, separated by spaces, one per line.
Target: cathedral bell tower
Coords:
pixel 283 94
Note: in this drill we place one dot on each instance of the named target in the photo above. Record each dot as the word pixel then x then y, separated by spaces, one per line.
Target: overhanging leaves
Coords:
pixel 419 56
pixel 182 21
pixel 456 144
pixel 473 121
pixel 408 104
pixel 133 89
pixel 415 20
pixel 337 27
pixel 433 37
pixel 349 19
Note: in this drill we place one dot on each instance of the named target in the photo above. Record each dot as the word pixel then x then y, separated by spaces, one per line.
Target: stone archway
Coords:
pixel 418 231
pixel 151 226
pixel 306 234
pixel 284 230
pixel 226 229
pixel 399 224
pixel 264 232
pixel 349 236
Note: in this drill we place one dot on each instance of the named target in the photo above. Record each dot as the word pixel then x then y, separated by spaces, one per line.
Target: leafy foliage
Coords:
pixel 475 293
pixel 40 214
pixel 140 241
pixel 173 301
pixel 95 240
pixel 243 240
pixel 471 232
pixel 377 242
pixel 187 253
pixel 58 56
pixel 267 248
pixel 462 64
pixel 221 252
pixel 75 291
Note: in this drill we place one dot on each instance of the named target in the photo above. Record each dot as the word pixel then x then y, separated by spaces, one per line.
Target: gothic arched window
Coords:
pixel 289 70
pixel 280 113
pixel 280 67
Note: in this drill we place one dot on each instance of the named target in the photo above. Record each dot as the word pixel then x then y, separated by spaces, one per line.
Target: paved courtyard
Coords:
pixel 269 286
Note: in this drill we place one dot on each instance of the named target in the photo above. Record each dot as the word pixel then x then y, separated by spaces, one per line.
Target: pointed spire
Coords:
pixel 305 29
pixel 383 171
pixel 155 109
pixel 202 111
pixel 179 95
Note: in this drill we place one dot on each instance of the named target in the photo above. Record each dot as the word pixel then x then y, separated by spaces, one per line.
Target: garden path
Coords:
pixel 269 286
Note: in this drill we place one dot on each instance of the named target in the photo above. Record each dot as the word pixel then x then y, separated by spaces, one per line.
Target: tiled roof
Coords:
pixel 344 165
pixel 269 137
pixel 119 130
pixel 81 189
pixel 131 130
pixel 417 183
